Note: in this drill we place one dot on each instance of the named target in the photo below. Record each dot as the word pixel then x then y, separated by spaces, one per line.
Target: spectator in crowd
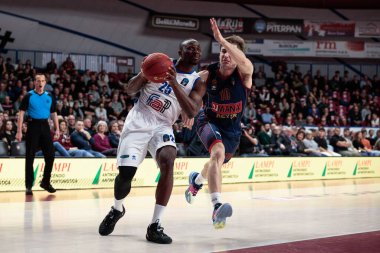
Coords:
pixel 354 117
pixel 101 142
pixel 310 149
pixel 8 133
pixel 323 146
pixel 259 80
pixel 116 105
pixel 101 113
pixel 264 135
pixel 249 145
pixel 51 66
pixel 249 113
pixel 66 148
pixel 280 144
pixel 312 145
pixel 376 146
pixel 341 145
pixel 88 126
pixel 82 139
pixel 267 117
pixel 375 122
pixel 114 135
pixel 290 142
pixel 362 138
pixel 68 65
pixel 371 136
pixel 120 124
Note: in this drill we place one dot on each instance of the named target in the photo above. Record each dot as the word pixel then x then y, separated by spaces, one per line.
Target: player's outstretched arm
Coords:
pixel 245 66
pixel 135 84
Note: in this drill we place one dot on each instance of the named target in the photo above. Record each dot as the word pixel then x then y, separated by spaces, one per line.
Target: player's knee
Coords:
pixel 126 173
pixel 218 156
pixel 166 157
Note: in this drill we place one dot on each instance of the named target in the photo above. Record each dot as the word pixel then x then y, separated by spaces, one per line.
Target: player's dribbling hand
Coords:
pixel 18 136
pixel 214 26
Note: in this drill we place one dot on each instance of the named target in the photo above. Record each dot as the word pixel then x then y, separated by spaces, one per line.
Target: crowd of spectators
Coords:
pixel 294 113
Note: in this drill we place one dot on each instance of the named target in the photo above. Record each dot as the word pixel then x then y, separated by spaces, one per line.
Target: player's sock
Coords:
pixel 158 211
pixel 118 205
pixel 199 179
pixel 215 198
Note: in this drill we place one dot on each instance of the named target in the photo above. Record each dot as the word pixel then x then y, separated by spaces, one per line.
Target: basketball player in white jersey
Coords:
pixel 148 127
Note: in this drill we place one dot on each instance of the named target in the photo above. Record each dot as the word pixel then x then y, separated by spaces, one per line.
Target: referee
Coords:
pixel 40 105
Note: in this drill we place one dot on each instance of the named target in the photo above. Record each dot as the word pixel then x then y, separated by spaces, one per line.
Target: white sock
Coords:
pixel 215 198
pixel 199 179
pixel 158 211
pixel 119 204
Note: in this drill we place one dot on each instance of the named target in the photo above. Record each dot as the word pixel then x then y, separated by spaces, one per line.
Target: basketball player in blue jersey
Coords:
pixel 218 124
pixel 148 127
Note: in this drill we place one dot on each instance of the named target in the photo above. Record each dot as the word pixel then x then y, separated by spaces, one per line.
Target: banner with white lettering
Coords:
pixel 175 22
pixel 277 26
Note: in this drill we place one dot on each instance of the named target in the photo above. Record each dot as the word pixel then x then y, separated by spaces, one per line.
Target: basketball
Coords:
pixel 155 66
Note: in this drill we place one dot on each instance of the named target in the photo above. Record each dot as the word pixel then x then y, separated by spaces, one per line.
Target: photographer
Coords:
pixel 249 145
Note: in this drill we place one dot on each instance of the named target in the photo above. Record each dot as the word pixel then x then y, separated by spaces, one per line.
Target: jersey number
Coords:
pixel 165 88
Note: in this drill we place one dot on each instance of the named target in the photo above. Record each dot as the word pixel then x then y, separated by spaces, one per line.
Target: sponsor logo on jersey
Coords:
pixel 166 138
pixel 184 81
pixel 225 94
pixel 158 105
pixel 227 111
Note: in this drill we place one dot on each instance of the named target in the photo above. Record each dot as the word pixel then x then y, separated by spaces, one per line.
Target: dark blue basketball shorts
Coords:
pixel 210 134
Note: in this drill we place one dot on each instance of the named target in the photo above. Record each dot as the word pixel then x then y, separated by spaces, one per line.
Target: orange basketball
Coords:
pixel 155 66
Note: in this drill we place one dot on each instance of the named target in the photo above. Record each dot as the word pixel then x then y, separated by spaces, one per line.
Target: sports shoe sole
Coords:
pixel 158 241
pixel 222 213
pixel 188 195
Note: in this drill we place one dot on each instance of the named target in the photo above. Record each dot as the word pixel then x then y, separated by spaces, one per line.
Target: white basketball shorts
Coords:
pixel 142 132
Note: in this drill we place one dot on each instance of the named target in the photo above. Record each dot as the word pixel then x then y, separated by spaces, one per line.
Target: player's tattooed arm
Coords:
pixel 135 84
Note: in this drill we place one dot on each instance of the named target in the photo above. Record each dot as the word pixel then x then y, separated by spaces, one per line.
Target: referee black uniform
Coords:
pixel 39 107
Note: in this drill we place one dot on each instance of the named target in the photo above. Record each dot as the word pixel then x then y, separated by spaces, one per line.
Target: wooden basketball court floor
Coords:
pixel 264 214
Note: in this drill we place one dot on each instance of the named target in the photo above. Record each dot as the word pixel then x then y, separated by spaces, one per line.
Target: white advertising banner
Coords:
pixel 372 50
pixel 322 48
pixel 343 49
pixel 288 48
pixel 369 29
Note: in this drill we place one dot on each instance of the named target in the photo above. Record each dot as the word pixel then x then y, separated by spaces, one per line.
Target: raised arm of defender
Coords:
pixel 244 65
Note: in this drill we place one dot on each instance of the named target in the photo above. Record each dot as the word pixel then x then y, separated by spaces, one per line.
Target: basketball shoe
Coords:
pixel 108 224
pixel 155 233
pixel 193 188
pixel 221 212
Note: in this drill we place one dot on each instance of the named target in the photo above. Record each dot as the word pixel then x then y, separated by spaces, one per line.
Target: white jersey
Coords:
pixel 159 98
